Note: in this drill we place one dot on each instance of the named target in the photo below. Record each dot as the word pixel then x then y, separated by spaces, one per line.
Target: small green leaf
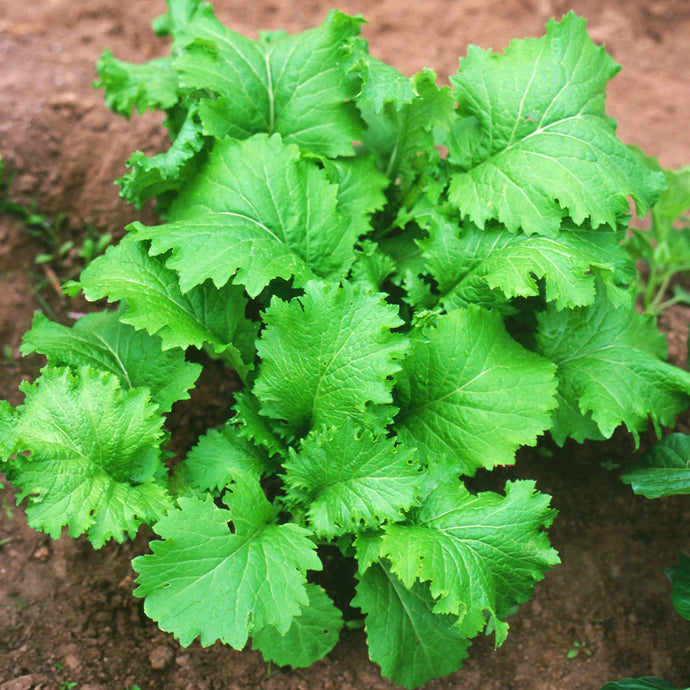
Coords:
pixel 349 480
pixel 406 637
pixel 646 683
pixel 204 579
pixel 219 455
pixel 664 469
pixel 313 633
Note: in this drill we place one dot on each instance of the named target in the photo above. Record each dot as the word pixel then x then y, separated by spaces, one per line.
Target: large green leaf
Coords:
pixel 481 554
pixel 258 210
pixel 327 356
pixel 610 369
pixel 205 579
pixel 348 480
pixel 154 302
pixel 470 395
pixel 411 642
pixel 102 341
pixel 292 85
pixel 95 456
pixel 313 633
pixel 543 147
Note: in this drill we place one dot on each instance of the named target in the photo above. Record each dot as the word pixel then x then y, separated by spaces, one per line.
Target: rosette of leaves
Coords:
pixel 399 318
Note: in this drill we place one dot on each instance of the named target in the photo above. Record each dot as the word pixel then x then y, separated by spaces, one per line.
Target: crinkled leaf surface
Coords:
pixel 327 355
pixel 252 425
pixel 610 369
pixel 154 302
pixel 144 87
pixel 204 579
pixel 469 394
pixel 681 587
pixel 313 633
pixel 94 456
pixel 219 456
pixel 544 147
pixel 411 643
pixel 400 128
pixel 101 340
pixel 664 469
pixel 258 210
pixel 151 176
pixel 292 85
pixel 349 480
pixel 480 553
pixel 470 264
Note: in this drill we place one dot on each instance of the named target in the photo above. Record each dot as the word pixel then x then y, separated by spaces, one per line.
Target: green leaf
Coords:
pixel 219 455
pixel 205 579
pixel 680 579
pixel 544 148
pixel 610 368
pixel 252 425
pixel 102 341
pixel 255 209
pixel 313 633
pixel 470 395
pixel 292 85
pixel 480 553
pixel 155 303
pixel 349 479
pixel 410 642
pixel 328 355
pixel 95 456
pixel 144 87
pixel 8 421
pixel 151 176
pixel 664 469
pixel 401 130
pixel 646 683
pixel 470 265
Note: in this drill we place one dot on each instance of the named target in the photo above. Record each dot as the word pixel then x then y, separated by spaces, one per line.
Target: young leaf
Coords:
pixel 348 479
pixel 469 394
pixel 219 455
pixel 256 209
pixel 406 637
pixel 102 341
pixel 545 147
pixel 664 469
pixel 144 87
pixel 155 303
pixel 313 633
pixel 151 176
pixel 327 355
pixel 204 579
pixel 292 85
pixel 94 456
pixel 481 554
pixel 610 368
pixel 646 683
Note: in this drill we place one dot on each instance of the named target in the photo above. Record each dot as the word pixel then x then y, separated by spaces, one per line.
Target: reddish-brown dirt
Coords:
pixel 67 615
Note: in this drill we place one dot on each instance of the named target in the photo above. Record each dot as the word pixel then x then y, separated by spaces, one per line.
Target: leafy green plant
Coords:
pixel 410 282
pixel 664 247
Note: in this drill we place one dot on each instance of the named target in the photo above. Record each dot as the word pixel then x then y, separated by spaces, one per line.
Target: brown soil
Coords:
pixel 66 612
